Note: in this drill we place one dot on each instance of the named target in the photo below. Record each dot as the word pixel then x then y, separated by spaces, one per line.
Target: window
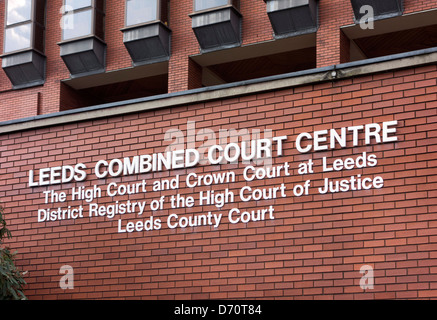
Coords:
pixel 18 38
pixel 216 24
pixel 19 11
pixel 208 4
pixel 141 11
pixel 147 35
pixel 78 4
pixel 83 18
pixel 83 48
pixel 24 29
pixel 291 18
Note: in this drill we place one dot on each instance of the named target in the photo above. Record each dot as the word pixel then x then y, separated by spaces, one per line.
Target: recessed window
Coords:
pixel 78 4
pixel 200 5
pixel 19 11
pixel 83 27
pixel 82 18
pixel 23 57
pixel 18 38
pixel 141 11
pixel 147 35
pixel 24 25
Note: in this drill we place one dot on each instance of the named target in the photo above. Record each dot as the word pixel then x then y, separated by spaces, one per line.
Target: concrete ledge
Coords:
pixel 342 71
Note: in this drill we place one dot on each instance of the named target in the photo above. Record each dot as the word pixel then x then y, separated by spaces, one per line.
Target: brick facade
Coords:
pixel 316 243
pixel 315 246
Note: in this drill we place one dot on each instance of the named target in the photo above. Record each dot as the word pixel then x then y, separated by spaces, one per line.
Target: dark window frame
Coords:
pixel 33 26
pixel 94 11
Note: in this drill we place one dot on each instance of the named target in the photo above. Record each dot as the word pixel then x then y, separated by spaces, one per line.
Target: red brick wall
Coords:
pixel 256 25
pixel 332 15
pixel 29 105
pixel 117 57
pixel 313 249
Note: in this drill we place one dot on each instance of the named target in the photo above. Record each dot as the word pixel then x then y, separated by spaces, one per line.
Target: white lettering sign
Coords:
pixel 143 213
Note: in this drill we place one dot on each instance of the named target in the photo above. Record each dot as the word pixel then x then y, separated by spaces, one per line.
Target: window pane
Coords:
pixel 76 4
pixel 17 38
pixel 139 11
pixel 77 24
pixel 19 11
pixel 208 4
pixel 276 5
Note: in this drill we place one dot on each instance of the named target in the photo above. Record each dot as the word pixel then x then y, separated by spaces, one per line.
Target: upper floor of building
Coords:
pixel 65 54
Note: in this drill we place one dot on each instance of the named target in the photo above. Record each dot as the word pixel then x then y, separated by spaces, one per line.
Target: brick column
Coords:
pixel 183 44
pixel 332 45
